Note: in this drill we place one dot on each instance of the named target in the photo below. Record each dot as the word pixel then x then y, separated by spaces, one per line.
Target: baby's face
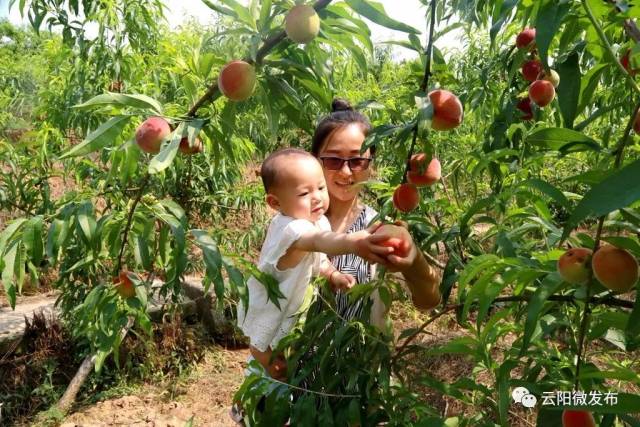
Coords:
pixel 301 191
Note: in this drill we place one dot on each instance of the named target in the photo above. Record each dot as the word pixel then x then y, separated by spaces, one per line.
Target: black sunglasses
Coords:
pixel 355 163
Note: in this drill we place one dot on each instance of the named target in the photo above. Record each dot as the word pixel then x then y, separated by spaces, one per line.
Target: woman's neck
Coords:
pixel 342 213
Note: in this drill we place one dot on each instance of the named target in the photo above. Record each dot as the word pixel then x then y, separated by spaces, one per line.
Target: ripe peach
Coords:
pixel 531 69
pixel 526 38
pixel 400 246
pixel 124 285
pixel 186 149
pixel 150 134
pixel 627 65
pixel 615 268
pixel 573 265
pixel 552 76
pixel 406 197
pixel 237 80
pixel 577 418
pixel 524 105
pixel 422 174
pixel 302 23
pixel 447 110
pixel 542 92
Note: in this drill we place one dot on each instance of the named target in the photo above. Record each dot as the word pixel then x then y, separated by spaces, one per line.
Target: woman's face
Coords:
pixel 345 142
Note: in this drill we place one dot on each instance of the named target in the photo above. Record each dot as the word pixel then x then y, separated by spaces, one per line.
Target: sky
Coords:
pixel 412 12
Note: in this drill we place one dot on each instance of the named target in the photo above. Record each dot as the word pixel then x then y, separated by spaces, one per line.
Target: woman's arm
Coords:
pixel 424 283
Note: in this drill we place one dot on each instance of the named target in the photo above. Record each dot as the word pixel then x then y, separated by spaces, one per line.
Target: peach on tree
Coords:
pixel 302 23
pixel 542 92
pixel 615 268
pixel 526 38
pixel 185 148
pixel 447 110
pixel 124 285
pixel 406 197
pixel 577 418
pixel 151 133
pixel 237 80
pixel 422 174
pixel 531 69
pixel 573 265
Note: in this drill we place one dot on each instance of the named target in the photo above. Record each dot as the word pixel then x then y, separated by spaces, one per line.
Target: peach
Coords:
pixel 421 173
pixel 447 110
pixel 524 105
pixel 542 92
pixel 124 285
pixel 406 197
pixel 193 149
pixel 552 76
pixel 636 123
pixel 531 69
pixel 401 247
pixel 615 268
pixel 150 134
pixel 237 80
pixel 526 38
pixel 577 418
pixel 626 63
pixel 302 23
pixel 573 265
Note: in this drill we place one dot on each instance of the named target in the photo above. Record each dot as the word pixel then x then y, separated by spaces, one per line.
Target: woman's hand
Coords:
pixel 341 281
pixel 278 368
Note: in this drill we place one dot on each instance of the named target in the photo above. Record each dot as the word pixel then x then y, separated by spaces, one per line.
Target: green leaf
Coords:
pixel 547 288
pixel 617 191
pixel 99 138
pixel 561 139
pixel 32 239
pixel 375 12
pixel 569 88
pixel 549 190
pixel 549 19
pixel 167 153
pixel 123 100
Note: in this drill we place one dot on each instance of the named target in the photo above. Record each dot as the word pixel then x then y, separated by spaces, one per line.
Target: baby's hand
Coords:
pixel 341 282
pixel 278 368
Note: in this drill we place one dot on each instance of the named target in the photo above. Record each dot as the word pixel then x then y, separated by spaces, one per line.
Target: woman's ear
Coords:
pixel 273 202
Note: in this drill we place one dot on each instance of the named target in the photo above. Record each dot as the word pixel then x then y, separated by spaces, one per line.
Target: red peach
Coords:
pixel 526 38
pixel 542 92
pixel 573 265
pixel 626 63
pixel 186 149
pixel 302 23
pixel 237 80
pixel 615 268
pixel 447 110
pixel 150 134
pixel 524 105
pixel 421 173
pixel 124 285
pixel 531 69
pixel 406 197
pixel 400 246
pixel 636 123
pixel 577 418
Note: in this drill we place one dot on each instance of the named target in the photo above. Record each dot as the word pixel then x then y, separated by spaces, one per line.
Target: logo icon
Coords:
pixel 521 395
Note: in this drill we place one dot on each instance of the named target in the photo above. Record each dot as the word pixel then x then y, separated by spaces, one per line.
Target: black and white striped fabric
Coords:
pixel 355 266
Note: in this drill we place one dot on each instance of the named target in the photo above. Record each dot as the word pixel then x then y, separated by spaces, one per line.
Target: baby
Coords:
pixel 296 246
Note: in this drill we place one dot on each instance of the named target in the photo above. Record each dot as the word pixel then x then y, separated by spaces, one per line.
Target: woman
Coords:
pixel 337 142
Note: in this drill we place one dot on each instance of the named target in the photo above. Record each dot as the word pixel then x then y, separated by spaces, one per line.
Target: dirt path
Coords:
pixel 206 396
pixel 12 321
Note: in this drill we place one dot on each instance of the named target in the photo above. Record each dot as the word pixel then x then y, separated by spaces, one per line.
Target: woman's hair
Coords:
pixel 342 115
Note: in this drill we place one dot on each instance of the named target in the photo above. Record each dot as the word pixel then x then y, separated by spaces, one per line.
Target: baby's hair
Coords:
pixel 269 171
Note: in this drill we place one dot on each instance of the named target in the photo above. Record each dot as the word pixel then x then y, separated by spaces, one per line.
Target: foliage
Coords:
pixel 514 192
